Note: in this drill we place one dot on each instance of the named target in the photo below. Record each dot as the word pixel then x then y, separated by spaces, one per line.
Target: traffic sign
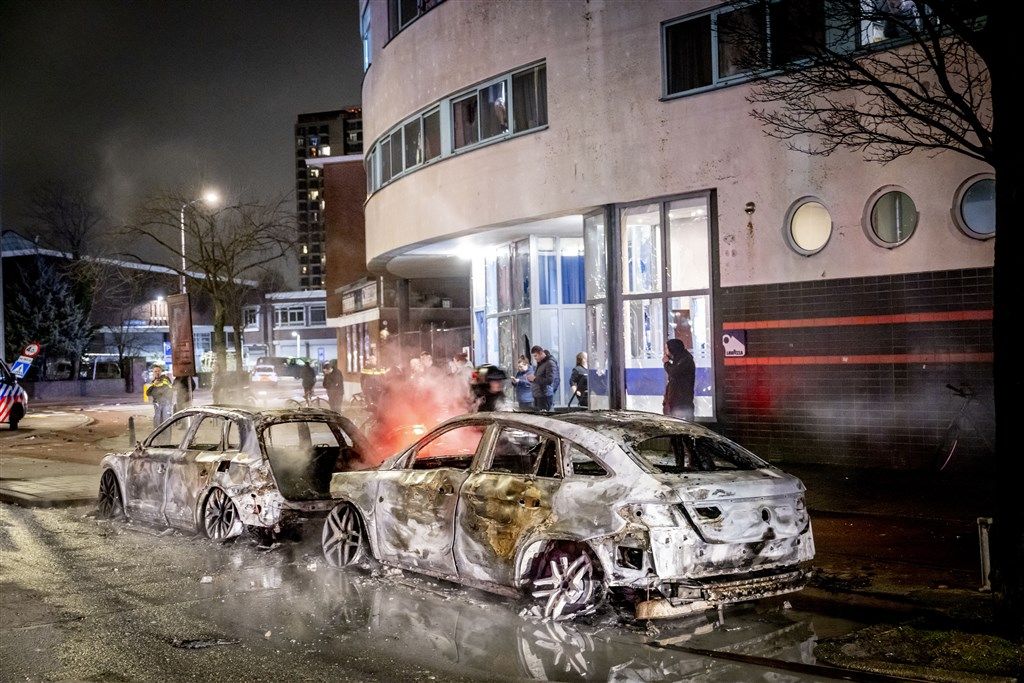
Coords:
pixel 21 366
pixel 32 349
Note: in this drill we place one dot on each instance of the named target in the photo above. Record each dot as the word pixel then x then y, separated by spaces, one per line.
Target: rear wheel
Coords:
pixel 17 412
pixel 566 582
pixel 110 504
pixel 220 519
pixel 344 539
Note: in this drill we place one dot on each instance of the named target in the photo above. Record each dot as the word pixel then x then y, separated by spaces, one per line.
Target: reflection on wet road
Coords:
pixel 86 599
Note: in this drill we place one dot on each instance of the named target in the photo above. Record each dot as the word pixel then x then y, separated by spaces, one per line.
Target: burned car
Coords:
pixel 568 509
pixel 220 470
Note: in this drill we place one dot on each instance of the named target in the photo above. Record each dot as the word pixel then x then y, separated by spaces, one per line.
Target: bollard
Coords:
pixel 131 432
pixel 984 524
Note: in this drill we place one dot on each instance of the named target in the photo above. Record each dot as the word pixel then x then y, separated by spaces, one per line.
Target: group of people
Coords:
pixel 536 384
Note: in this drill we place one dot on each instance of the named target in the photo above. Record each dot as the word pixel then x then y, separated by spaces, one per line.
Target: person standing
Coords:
pixel 544 381
pixel 334 383
pixel 682 374
pixel 161 393
pixel 524 392
pixel 308 376
pixel 579 381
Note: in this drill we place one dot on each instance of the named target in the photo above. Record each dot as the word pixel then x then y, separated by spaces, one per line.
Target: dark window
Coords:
pixel 317 316
pixel 741 40
pixel 688 54
pixel 530 98
pixel 584 465
pixel 396 152
pixel 385 161
pixel 493 111
pixel 432 135
pixel 797 29
pixel 464 119
pixel 407 11
pixel 678 453
pixel 412 143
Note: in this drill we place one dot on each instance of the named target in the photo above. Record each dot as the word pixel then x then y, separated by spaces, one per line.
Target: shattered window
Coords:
pixel 208 434
pixel 521 452
pixel 584 465
pixel 234 439
pixel 678 453
pixel 304 454
pixel 171 435
pixel 455 448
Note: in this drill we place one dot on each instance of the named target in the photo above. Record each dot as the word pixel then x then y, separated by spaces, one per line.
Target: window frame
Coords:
pixel 219 448
pixel 956 211
pixel 869 208
pixel 487 458
pixel 148 443
pixel 787 225
pixel 406 462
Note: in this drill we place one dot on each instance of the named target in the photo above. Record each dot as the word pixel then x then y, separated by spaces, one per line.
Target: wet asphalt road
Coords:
pixel 86 599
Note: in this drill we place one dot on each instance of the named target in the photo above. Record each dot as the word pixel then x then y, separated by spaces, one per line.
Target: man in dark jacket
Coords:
pixel 544 381
pixel 308 376
pixel 681 371
pixel 334 383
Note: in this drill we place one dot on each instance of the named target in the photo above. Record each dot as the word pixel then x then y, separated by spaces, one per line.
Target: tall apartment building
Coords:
pixel 319 134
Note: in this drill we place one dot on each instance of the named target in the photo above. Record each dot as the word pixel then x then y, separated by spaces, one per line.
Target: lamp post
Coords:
pixel 210 197
pixel 298 344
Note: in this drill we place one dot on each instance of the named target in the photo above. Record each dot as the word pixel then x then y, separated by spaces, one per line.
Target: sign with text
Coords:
pixel 734 342
pixel 179 320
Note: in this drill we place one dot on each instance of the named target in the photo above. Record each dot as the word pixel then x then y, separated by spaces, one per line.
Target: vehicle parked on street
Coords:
pixel 567 508
pixel 222 470
pixel 13 398
pixel 265 374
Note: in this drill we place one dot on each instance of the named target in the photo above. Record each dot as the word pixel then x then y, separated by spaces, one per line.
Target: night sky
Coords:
pixel 134 97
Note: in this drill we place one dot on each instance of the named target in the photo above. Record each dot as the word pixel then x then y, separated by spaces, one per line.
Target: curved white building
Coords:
pixel 593 167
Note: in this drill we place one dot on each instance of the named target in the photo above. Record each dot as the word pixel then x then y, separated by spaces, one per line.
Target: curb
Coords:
pixel 34 502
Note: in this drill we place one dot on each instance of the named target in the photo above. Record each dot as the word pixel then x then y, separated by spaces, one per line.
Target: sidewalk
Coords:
pixel 35 482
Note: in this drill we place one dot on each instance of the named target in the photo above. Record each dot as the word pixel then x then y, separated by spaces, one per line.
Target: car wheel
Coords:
pixel 220 517
pixel 17 412
pixel 344 538
pixel 566 582
pixel 110 505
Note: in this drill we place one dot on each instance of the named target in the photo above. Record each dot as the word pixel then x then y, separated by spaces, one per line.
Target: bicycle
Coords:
pixel 951 436
pixel 309 401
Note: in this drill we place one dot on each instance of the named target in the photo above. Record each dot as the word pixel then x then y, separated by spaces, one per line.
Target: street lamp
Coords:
pixel 210 198
pixel 298 344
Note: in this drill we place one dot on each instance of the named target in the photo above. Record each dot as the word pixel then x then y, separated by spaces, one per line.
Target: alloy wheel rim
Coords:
pixel 567 585
pixel 342 537
pixel 220 516
pixel 110 500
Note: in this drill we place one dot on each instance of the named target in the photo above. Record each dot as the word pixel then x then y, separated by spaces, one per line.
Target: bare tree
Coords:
pixel 67 220
pixel 125 305
pixel 225 251
pixel 888 78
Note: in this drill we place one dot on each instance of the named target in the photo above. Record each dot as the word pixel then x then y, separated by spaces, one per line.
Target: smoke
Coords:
pixel 405 406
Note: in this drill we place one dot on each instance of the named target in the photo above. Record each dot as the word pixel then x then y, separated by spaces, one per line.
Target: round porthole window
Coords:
pixel 893 218
pixel 974 208
pixel 808 226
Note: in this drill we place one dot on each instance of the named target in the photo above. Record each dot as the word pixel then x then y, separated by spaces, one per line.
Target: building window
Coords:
pixel 726 45
pixel 464 118
pixel 974 208
pixel 290 316
pixel 476 117
pixel 881 22
pixel 401 13
pixel 808 226
pixel 892 217
pixel 317 315
pixel 530 98
pixel 250 317
pixel 364 32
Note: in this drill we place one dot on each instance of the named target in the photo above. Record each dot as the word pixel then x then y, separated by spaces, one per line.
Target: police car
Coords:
pixel 13 399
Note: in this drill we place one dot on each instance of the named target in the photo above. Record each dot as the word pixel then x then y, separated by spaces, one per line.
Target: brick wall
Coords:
pixel 344 229
pixel 855 370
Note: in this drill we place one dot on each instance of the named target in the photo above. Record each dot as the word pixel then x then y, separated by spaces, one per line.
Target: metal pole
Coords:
pixel 616 342
pixel 298 345
pixel 182 284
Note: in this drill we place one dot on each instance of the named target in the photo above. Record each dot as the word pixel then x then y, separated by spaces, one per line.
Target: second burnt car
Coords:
pixel 218 470
pixel 566 509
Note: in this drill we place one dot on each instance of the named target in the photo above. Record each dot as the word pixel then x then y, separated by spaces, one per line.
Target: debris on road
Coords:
pixel 206 579
pixel 202 643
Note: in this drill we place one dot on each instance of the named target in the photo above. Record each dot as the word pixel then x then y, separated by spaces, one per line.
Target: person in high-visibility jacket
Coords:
pixel 161 393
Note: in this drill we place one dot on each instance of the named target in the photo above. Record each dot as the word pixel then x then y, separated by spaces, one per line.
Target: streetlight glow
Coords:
pixel 211 197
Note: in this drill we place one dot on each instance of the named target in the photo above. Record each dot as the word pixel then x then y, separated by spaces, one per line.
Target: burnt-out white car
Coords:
pixel 219 470
pixel 566 509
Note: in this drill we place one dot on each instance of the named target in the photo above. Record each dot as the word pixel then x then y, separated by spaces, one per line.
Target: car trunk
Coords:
pixel 742 506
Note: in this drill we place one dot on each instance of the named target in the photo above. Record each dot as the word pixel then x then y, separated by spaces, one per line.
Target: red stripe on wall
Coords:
pixel 894 319
pixel 872 359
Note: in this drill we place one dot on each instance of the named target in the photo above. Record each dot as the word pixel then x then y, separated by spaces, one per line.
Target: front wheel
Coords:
pixel 110 504
pixel 220 521
pixel 565 583
pixel 344 539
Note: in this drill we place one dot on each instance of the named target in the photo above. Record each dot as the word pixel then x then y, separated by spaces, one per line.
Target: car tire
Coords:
pixel 343 539
pixel 565 582
pixel 17 412
pixel 220 520
pixel 110 503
